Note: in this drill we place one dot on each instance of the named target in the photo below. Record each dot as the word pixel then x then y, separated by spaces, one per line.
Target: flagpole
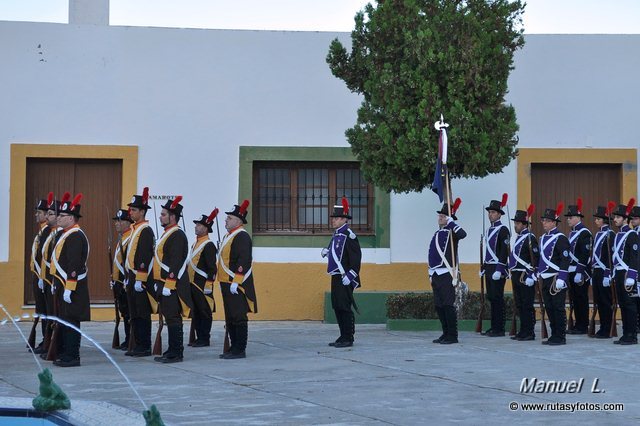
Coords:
pixel 441 126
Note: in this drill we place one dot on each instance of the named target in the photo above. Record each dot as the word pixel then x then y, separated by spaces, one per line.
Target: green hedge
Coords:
pixel 421 306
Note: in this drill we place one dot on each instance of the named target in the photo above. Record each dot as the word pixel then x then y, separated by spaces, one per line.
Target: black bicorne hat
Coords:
pixel 208 220
pixel 623 210
pixel 341 210
pixel 575 210
pixel 635 211
pixel 553 214
pixel 601 212
pixel 141 201
pixel 71 207
pixel 122 214
pixel 496 205
pixel 240 211
pixel 521 216
pixel 174 206
pixel 48 204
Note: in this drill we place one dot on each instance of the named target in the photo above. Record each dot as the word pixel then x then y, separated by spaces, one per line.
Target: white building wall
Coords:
pixel 189 98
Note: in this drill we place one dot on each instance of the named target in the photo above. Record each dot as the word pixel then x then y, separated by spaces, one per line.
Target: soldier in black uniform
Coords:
pixel 523 260
pixel 69 267
pixel 553 269
pixel 45 271
pixel 580 241
pixel 201 270
pixel 169 266
pixel 634 222
pixel 236 280
pixel 495 265
pixel 36 266
pixel 601 267
pixel 122 223
pixel 141 296
pixel 443 271
pixel 626 262
pixel 344 258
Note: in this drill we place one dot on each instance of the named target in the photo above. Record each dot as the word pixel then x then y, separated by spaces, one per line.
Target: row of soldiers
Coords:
pixel 561 265
pixel 149 276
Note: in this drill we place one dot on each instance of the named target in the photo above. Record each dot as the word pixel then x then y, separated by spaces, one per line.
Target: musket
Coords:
pixel 157 345
pixel 543 324
pixel 514 325
pixel 591 331
pixel 52 353
pixel 613 332
pixel 481 314
pixel 115 342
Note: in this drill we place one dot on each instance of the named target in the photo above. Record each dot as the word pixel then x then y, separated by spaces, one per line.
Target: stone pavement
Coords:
pixel 291 377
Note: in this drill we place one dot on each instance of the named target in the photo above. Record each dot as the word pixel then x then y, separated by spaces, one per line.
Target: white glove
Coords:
pixel 234 288
pixel 629 281
pixel 53 288
pixel 560 284
pixel 126 282
pixel 138 286
pixel 529 282
pixel 155 287
pixel 577 278
pixel 111 284
pixel 496 276
pixel 606 282
pixel 166 291
pixel 345 280
pixel 40 284
pixel 449 220
pixel 67 295
pixel 208 290
pixel 324 252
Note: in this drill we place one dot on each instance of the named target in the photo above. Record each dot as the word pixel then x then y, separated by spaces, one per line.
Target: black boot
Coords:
pixel 127 331
pixel 176 348
pixel 203 333
pixel 242 334
pixel 443 322
pixel 142 327
pixel 349 327
pixel 229 331
pixel 451 318
pixel 341 325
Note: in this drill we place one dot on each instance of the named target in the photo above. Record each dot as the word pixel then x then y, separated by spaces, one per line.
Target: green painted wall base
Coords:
pixel 372 306
pixel 430 325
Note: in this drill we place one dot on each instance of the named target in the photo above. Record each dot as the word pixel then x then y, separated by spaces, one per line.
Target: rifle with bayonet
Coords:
pixel 115 342
pixel 481 313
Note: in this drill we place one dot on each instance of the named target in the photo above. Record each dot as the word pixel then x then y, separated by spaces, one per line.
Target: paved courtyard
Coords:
pixel 291 376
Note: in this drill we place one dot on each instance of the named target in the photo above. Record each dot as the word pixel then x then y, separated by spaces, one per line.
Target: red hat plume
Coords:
pixel 76 201
pixel 630 204
pixel 65 197
pixel 610 206
pixel 175 202
pixel 345 205
pixel 505 197
pixel 456 205
pixel 530 210
pixel 243 206
pixel 213 215
pixel 579 204
pixel 50 199
pixel 559 209
pixel 145 195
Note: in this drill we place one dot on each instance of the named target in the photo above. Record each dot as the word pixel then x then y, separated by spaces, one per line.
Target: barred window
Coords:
pixel 298 197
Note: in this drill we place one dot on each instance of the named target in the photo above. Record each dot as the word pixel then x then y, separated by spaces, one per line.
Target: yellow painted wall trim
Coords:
pixel 11 292
pixel 627 157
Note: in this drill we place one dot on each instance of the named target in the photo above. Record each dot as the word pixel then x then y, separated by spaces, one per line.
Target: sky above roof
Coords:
pixel 541 16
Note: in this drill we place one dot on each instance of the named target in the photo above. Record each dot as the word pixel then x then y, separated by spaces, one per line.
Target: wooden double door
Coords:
pixel 100 182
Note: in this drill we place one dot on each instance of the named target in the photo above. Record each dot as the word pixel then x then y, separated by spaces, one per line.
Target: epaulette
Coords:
pixel 352 234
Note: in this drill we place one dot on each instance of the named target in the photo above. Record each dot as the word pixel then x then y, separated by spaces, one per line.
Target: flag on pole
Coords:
pixel 441 162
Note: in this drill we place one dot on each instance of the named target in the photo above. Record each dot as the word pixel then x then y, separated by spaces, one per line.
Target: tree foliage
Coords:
pixel 413 60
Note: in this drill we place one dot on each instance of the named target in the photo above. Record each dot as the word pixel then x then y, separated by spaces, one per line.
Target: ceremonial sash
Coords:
pixel 160 247
pixel 492 254
pixel 617 259
pixel 572 239
pixel 549 263
pixel 226 240
pixel 518 259
pixel 194 258
pixel 133 241
pixel 56 269
pixel 599 243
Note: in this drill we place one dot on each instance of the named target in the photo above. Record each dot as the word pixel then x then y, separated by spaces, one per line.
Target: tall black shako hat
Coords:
pixel 341 210
pixel 72 207
pixel 524 216
pixel 605 212
pixel 174 206
pixel 43 205
pixel 141 201
pixel 122 214
pixel 454 208
pixel 575 210
pixel 208 220
pixel 553 214
pixel 496 205
pixel 623 210
pixel 240 211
